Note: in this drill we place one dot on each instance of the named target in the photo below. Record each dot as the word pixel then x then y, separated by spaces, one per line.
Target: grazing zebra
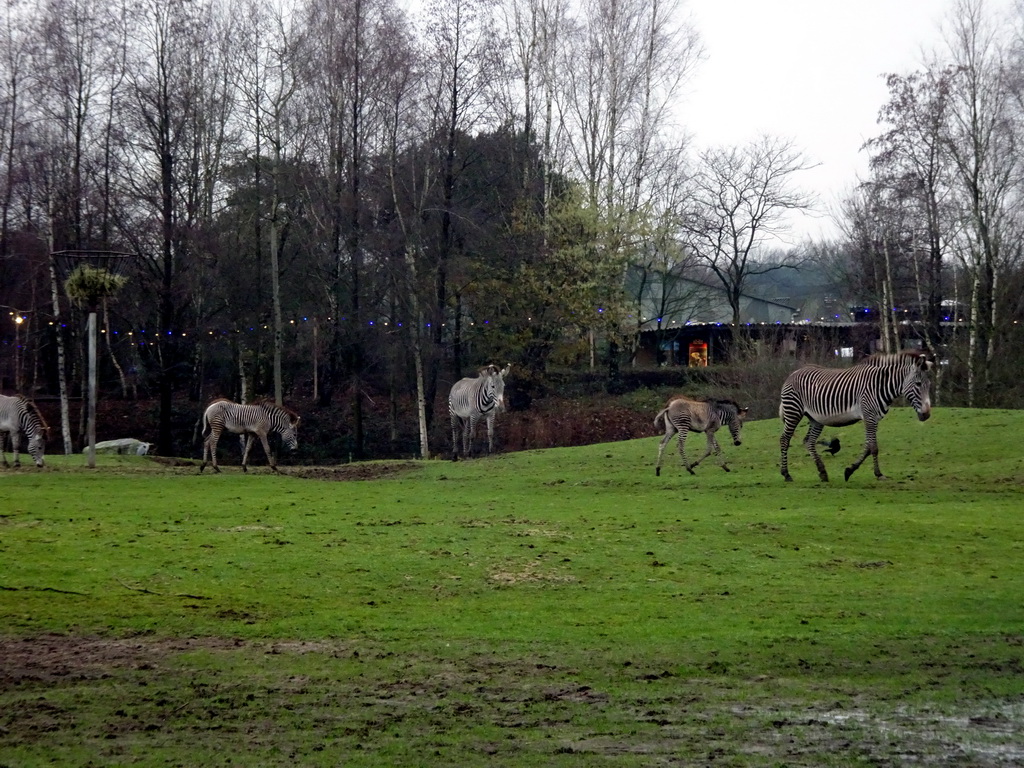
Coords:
pixel 473 399
pixel 256 419
pixel 838 397
pixel 19 414
pixel 683 415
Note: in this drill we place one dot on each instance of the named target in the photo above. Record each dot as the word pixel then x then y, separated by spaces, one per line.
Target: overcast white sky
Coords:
pixel 808 70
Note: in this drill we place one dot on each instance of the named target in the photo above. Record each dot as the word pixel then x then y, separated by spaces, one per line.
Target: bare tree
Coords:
pixel 16 38
pixel 171 78
pixel 537 31
pixel 880 230
pixel 460 43
pixel 983 140
pixel 347 94
pixel 909 159
pixel 269 75
pixel 741 199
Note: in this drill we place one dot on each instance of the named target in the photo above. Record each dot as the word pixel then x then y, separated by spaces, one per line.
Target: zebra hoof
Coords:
pixel 833 447
pixel 787 478
pixel 690 470
pixel 849 471
pixel 657 471
pixel 726 468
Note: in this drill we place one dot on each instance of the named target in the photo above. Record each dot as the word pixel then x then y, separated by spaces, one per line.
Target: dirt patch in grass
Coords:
pixel 262 703
pixel 50 658
pixel 370 470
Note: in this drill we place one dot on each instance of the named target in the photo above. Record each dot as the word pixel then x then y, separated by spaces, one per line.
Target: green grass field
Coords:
pixel 561 607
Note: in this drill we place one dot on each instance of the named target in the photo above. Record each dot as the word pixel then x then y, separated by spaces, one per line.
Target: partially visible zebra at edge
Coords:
pixel 839 397
pixel 257 419
pixel 684 415
pixel 20 415
pixel 472 399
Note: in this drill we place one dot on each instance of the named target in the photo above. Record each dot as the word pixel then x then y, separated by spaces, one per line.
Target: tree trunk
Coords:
pixel 417 356
pixel 62 374
pixel 275 283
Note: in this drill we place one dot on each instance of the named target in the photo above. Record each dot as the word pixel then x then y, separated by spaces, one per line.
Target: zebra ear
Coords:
pixel 506 369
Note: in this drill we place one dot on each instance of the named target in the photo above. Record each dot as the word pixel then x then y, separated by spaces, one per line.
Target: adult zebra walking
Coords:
pixel 685 415
pixel 251 420
pixel 838 397
pixel 472 399
pixel 20 415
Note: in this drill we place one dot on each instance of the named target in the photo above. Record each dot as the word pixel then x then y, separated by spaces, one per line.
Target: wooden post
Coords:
pixel 93 380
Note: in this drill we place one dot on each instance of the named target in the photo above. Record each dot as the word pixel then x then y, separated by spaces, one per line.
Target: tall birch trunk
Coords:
pixel 62 375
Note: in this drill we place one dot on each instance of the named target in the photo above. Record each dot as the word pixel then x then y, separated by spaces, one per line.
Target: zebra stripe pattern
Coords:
pixel 472 399
pixel 257 419
pixel 838 397
pixel 19 415
pixel 683 415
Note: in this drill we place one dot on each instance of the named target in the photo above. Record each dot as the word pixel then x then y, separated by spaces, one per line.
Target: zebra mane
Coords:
pixel 270 405
pixel 31 405
pixel 718 401
pixel 891 358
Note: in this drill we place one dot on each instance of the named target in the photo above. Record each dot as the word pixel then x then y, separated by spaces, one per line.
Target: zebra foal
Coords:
pixel 257 419
pixel 684 415
pixel 472 399
pixel 838 397
pixel 20 415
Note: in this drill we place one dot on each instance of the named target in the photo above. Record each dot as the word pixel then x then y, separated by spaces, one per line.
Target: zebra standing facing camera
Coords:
pixel 472 399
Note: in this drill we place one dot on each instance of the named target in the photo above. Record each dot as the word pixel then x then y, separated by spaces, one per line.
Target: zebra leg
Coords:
pixel 718 453
pixel 870 447
pixel 811 444
pixel 684 430
pixel 245 453
pixel 3 445
pixel 210 447
pixel 468 433
pixel 669 431
pixel 490 433
pixel 456 436
pixel 266 449
pixel 789 426
pixel 16 447
pixel 711 447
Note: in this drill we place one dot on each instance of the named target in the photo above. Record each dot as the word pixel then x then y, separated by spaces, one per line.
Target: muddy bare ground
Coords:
pixel 51 658
pixel 113 691
pixel 357 471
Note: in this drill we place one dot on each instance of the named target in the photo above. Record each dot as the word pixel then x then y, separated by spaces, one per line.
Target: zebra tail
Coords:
pixel 660 417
